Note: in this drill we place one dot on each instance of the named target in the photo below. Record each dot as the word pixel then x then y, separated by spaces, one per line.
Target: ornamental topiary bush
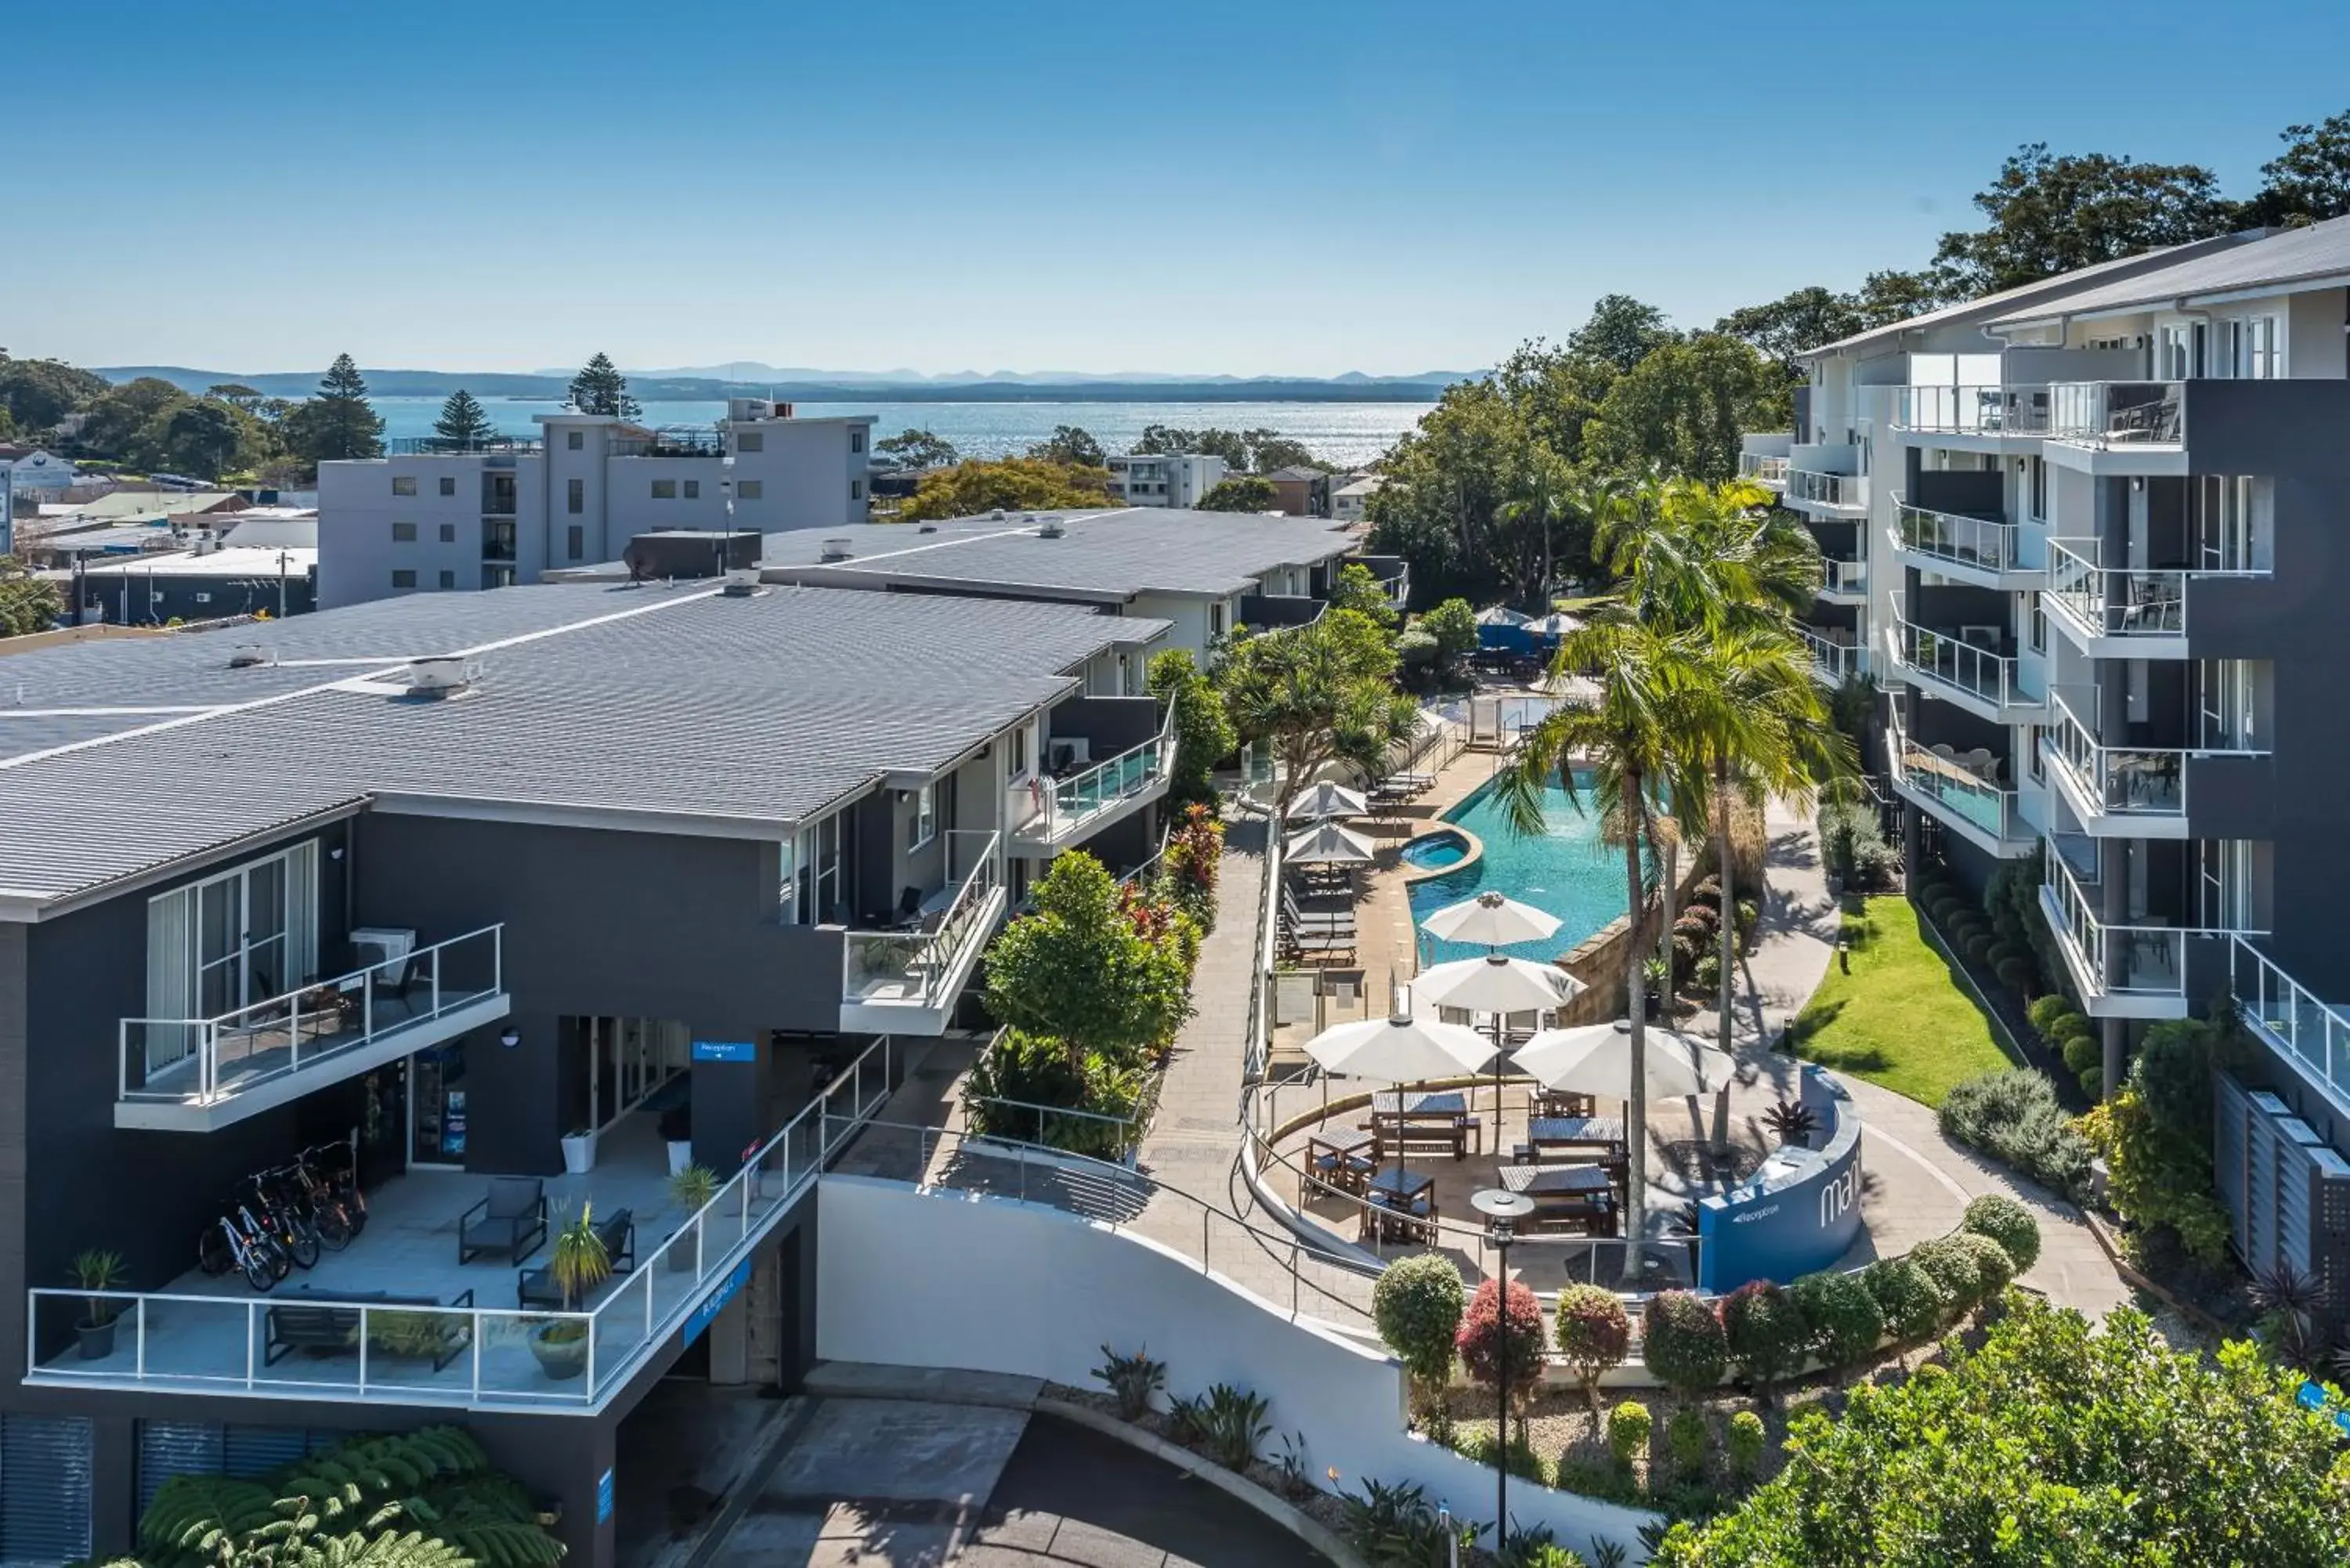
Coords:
pixel 1628 1426
pixel 1744 1447
pixel 1845 1320
pixel 1594 1334
pixel 1683 1342
pixel 1766 1334
pixel 1417 1304
pixel 1911 1302
pixel 1685 1441
pixel 2007 1223
pixel 2093 1083
pixel 2080 1052
pixel 1994 1269
pixel 1956 1271
pixel 2015 972
pixel 2046 1011
pixel 1486 1337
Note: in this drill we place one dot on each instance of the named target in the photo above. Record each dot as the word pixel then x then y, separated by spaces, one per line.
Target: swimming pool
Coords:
pixel 1565 870
pixel 1434 851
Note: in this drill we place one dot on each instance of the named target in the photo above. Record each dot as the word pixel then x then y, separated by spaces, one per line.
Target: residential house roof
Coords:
pixel 2317 256
pixel 1296 471
pixel 232 561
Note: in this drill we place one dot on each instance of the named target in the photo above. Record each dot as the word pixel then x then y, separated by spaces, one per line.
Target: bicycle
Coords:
pixel 235 1240
pixel 295 1235
pixel 324 1212
pixel 330 1166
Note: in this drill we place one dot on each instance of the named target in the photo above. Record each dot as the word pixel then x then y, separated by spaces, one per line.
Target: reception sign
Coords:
pixel 1799 1214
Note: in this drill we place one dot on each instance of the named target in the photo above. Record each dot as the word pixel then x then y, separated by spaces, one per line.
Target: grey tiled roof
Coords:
pixel 673 701
pixel 2279 260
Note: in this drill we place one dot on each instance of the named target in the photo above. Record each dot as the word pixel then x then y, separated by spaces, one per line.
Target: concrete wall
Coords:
pixel 806 471
pixel 1037 1291
pixel 358 509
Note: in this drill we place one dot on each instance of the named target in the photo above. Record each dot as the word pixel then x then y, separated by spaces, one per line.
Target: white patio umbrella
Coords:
pixel 1326 799
pixel 1490 921
pixel 1327 843
pixel 1500 614
pixel 1500 985
pixel 1401 1049
pixel 1596 1059
pixel 1553 625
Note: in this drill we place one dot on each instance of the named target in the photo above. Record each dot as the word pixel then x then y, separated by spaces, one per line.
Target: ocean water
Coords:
pixel 1564 870
pixel 1346 433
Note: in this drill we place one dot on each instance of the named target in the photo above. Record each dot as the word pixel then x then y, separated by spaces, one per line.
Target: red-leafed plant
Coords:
pixel 1488 1331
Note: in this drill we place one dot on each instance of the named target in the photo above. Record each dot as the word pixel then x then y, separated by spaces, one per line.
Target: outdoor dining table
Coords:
pixel 1584 1194
pixel 1345 1157
pixel 1402 1204
pixel 1438 1117
pixel 1604 1132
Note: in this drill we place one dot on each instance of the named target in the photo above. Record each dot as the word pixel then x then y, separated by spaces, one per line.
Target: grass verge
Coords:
pixel 1895 1013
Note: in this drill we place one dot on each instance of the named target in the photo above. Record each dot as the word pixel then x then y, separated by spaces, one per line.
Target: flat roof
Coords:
pixel 231 561
pixel 669 709
pixel 2314 256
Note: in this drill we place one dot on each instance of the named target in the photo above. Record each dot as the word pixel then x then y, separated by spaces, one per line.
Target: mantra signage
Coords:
pixel 1800 1212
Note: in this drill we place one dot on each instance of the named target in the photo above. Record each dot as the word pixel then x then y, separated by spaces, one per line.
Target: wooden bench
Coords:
pixel 324 1324
pixel 619 1234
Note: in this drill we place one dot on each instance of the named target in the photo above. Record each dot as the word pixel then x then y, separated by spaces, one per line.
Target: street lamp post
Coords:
pixel 1502 1211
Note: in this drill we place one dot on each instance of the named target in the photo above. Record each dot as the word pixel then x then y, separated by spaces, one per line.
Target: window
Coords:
pixel 750 489
pixel 1019 750
pixel 693 489
pixel 788 874
pixel 403 579
pixel 856 489
pixel 497 576
pixel 575 496
pixel 924 825
pixel 575 540
pixel 448 532
pixel 44 1487
pixel 2263 350
pixel 2039 490
pixel 664 489
pixel 855 441
pixel 750 440
pixel 403 484
pixel 2032 734
pixel 1216 621
pixel 448 485
pixel 203 598
pixel 403 533
pixel 817 863
pixel 448 579
pixel 575 439
pixel 2037 621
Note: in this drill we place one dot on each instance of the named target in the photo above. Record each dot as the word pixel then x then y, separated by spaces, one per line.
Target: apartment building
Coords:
pixel 1174 479
pixel 479 887
pixel 2088 538
pixel 426 519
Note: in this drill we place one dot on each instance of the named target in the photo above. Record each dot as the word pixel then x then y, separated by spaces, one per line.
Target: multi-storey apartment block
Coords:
pixel 2089 539
pixel 1174 479
pixel 426 518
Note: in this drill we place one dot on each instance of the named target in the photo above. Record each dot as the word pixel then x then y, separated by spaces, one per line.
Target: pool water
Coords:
pixel 1565 870
pixel 1437 849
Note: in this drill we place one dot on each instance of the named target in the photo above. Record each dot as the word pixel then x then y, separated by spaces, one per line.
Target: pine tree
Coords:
pixel 339 423
pixel 600 388
pixel 463 425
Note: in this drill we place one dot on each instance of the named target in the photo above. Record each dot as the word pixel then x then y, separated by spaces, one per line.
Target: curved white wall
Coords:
pixel 984 1285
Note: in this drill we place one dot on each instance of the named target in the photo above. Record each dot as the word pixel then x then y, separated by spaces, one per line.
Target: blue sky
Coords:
pixel 1250 188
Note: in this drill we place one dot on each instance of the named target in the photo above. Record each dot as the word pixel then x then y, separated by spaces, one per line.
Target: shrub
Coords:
pixel 2093 1083
pixel 2155 1134
pixel 1228 1423
pixel 2002 950
pixel 1132 1378
pixel 1978 946
pixel 1398 1524
pixel 1956 1271
pixel 2007 1223
pixel 1681 1340
pixel 1594 1334
pixel 2080 1052
pixel 1627 1431
pixel 1911 1302
pixel 1845 1320
pixel 1417 1304
pixel 2013 1114
pixel 2016 972
pixel 1484 1339
pixel 1024 1070
pixel 1994 1269
pixel 1744 1447
pixel 1764 1331
pixel 2046 1011
pixel 1685 1439
pixel 1853 846
pixel 2074 1026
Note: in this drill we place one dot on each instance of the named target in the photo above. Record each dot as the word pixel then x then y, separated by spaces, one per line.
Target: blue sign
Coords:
pixel 715 1302
pixel 1800 1212
pixel 604 1498
pixel 725 1050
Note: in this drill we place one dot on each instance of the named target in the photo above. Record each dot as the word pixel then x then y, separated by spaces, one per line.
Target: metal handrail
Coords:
pixel 1072 802
pixel 1834 660
pixel 1762 467
pixel 919 951
pixel 1256 1044
pixel 1938 656
pixel 1839 576
pixel 2092 939
pixel 1980 800
pixel 262 1023
pixel 1981 542
pixel 2118 413
pixel 1971 410
pixel 2312 1032
pixel 1825 488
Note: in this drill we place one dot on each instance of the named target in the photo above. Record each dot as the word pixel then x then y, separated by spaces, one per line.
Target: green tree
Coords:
pixel 1354 588
pixel 28 603
pixel 1685 406
pixel 1015 484
pixel 600 388
pixel 38 393
pixel 919 449
pixel 237 394
pixel 2309 181
pixel 1269 450
pixel 1080 972
pixel 1069 444
pixel 1453 625
pixel 338 423
pixel 119 416
pixel 1243 492
pixel 1203 731
pixel 2052 214
pixel 1622 332
pixel 463 425
pixel 2053 1443
pixel 200 437
pixel 1318 694
pixel 1792 324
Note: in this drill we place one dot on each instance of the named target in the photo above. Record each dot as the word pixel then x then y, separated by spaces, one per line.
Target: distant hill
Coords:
pixel 753 380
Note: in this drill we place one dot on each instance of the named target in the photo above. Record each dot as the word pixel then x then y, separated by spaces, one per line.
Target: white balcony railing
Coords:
pixel 1817 489
pixel 2118 413
pixel 2145 961
pixel 2121 781
pixel 1832 661
pixel 918 966
pixel 1053 811
pixel 1843 579
pixel 459 1355
pixel 1978 542
pixel 1947 659
pixel 1964 784
pixel 206 1062
pixel 2313 1033
pixel 1972 410
pixel 2123 601
pixel 1762 469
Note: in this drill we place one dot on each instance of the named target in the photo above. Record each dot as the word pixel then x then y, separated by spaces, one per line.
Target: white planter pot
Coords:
pixel 680 1155
pixel 579 1154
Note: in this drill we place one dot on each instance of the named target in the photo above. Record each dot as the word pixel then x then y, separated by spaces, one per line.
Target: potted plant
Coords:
pixel 693 1187
pixel 577 1259
pixel 96 1271
pixel 580 1150
pixel 677 1131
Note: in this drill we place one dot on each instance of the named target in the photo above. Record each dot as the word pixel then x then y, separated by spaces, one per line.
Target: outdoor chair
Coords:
pixel 512 1218
pixel 909 909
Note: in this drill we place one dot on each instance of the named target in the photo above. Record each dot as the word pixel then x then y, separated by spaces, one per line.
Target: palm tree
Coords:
pixel 1316 694
pixel 1629 733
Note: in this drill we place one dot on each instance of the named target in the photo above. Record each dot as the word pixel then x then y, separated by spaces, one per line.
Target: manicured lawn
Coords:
pixel 1900 1018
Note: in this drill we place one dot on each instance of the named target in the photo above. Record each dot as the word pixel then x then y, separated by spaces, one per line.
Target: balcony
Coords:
pixel 1980 678
pixel 2124 612
pixel 1962 790
pixel 498 539
pixel 681 442
pixel 906 982
pixel 2109 414
pixel 196 1074
pixel 1979 550
pixel 441 446
pixel 2314 1036
pixel 209 1337
pixel 2121 970
pixel 1763 469
pixel 1972 410
pixel 1844 582
pixel 1050 815
pixel 1845 494
pixel 1832 662
pixel 1394 573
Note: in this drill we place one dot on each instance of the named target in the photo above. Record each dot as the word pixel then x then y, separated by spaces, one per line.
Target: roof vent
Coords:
pixel 1051 528
pixel 998 514
pixel 835 550
pixel 441 677
pixel 740 585
pixel 247 654
pixel 928 528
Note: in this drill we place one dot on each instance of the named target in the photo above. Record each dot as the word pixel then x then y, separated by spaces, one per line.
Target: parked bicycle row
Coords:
pixel 286 1216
